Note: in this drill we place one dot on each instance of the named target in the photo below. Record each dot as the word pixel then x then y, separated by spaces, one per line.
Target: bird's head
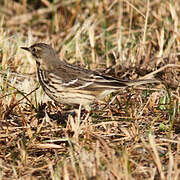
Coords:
pixel 43 53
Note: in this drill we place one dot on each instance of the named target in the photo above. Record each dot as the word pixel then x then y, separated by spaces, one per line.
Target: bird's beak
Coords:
pixel 25 48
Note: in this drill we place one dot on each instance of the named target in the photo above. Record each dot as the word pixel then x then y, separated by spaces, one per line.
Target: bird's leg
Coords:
pixel 79 113
pixel 113 99
pixel 87 117
pixel 108 104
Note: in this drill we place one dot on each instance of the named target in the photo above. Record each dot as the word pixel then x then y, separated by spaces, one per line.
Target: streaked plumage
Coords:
pixel 69 84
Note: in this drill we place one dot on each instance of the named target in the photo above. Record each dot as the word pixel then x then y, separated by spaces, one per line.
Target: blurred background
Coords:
pixel 129 39
pixel 96 34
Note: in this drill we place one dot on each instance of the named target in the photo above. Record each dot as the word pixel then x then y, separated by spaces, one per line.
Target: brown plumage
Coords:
pixel 69 84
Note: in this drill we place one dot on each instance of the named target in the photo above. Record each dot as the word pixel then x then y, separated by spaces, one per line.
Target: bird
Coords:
pixel 66 83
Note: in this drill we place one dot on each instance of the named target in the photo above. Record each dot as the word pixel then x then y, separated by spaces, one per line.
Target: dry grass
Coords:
pixel 136 136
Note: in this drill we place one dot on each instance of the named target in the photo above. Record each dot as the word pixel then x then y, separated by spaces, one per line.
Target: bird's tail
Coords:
pixel 114 83
pixel 140 82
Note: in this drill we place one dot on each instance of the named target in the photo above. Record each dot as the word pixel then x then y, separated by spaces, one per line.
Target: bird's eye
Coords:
pixel 33 50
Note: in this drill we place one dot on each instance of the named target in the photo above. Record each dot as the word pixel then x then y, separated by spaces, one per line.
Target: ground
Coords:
pixel 132 134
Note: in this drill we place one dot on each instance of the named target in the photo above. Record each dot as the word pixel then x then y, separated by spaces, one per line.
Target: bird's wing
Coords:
pixel 76 78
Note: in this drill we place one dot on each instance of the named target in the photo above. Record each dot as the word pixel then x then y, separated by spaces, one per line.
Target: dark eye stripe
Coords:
pixel 34 52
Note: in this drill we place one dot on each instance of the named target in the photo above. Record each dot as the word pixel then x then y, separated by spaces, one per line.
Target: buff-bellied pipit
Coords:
pixel 70 84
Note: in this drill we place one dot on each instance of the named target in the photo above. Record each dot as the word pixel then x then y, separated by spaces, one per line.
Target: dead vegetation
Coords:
pixel 132 135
